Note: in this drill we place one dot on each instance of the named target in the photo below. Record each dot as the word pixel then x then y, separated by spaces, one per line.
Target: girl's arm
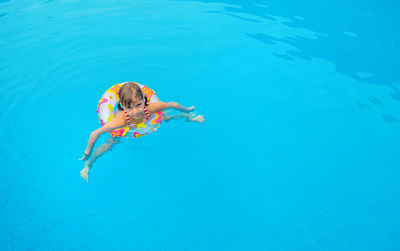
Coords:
pixel 159 106
pixel 115 123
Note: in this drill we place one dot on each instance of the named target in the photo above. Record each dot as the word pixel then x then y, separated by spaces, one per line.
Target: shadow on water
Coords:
pixel 359 37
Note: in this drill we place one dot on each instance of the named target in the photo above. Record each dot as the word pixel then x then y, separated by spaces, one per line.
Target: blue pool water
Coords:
pixel 300 148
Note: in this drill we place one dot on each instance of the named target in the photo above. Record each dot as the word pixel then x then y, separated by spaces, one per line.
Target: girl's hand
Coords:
pixel 85 173
pixel 189 109
pixel 85 156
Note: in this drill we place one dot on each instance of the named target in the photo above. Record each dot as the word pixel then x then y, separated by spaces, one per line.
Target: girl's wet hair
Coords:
pixel 128 92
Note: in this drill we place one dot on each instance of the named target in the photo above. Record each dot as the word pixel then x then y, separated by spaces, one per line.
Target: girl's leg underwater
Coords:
pixel 101 150
pixel 189 117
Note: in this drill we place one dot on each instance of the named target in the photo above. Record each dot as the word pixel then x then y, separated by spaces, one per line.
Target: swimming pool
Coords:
pixel 300 149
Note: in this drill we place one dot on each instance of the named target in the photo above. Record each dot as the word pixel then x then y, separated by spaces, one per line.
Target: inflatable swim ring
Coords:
pixel 107 109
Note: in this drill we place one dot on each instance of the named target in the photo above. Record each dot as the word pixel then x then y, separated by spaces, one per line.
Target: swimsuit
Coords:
pixel 128 120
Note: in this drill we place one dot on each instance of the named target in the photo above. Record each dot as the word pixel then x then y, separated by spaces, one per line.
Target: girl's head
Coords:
pixel 131 99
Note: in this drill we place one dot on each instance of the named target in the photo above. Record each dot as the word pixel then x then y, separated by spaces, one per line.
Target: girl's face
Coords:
pixel 136 108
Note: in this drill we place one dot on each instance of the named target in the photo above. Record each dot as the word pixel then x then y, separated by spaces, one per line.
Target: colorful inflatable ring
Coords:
pixel 107 110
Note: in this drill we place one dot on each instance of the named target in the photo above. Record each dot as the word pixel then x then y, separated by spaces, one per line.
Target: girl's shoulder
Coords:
pixel 120 118
pixel 156 106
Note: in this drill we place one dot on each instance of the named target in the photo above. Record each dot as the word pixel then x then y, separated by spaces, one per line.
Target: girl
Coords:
pixel 134 109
